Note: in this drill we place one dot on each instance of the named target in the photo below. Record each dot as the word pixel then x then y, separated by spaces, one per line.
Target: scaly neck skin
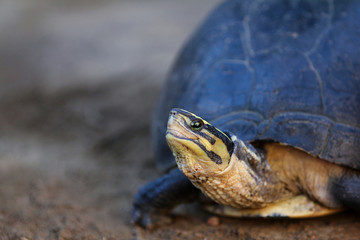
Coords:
pixel 247 182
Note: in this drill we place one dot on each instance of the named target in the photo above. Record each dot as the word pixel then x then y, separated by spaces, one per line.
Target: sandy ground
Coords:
pixel 78 83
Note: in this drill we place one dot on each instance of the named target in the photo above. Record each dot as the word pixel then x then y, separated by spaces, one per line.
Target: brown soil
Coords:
pixel 73 152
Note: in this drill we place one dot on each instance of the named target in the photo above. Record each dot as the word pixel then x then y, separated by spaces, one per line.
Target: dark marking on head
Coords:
pixel 204 135
pixel 218 134
pixel 207 137
pixel 224 138
pixel 185 113
pixel 229 144
pixel 213 156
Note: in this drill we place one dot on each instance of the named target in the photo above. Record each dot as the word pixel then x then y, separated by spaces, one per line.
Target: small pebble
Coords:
pixel 213 221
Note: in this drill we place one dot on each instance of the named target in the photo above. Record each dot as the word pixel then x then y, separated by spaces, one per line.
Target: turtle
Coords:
pixel 278 83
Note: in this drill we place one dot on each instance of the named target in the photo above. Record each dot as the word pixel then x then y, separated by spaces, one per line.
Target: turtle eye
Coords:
pixel 196 124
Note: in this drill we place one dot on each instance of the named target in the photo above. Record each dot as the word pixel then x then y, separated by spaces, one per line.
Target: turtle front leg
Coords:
pixel 156 199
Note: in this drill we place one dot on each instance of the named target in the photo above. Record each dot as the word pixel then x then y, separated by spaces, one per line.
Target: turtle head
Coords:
pixel 197 146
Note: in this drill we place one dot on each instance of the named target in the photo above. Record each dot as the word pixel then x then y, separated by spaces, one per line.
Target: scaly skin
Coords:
pixel 238 185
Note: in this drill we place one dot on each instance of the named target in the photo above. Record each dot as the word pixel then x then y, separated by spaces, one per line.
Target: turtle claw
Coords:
pixel 149 218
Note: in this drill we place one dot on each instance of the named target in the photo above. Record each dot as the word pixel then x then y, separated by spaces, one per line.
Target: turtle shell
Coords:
pixel 286 71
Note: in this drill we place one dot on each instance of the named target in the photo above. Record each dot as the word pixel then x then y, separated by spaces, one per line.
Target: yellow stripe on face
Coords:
pixel 215 143
pixel 188 120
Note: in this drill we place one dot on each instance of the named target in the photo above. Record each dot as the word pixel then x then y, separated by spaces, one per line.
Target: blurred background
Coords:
pixel 78 83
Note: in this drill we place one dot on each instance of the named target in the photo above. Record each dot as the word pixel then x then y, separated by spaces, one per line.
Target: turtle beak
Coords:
pixel 176 125
pixel 172 121
pixel 172 116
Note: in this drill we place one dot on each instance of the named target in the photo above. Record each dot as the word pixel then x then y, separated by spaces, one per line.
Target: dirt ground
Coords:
pixel 78 84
